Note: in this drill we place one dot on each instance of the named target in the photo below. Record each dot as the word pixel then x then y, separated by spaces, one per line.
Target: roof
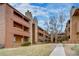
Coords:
pixel 76 13
pixel 18 12
pixel 61 33
pixel 43 30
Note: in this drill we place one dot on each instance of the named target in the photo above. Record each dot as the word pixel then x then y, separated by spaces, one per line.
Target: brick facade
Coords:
pixel 16 28
pixel 73 26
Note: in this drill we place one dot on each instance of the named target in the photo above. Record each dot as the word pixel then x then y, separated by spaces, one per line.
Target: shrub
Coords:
pixel 1 46
pixel 26 44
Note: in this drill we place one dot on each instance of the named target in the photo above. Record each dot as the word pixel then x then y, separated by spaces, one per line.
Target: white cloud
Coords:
pixel 37 10
pixel 24 7
pixel 41 23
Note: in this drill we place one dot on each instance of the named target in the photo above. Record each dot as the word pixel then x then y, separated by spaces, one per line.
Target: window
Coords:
pixel 40 34
pixel 69 37
pixel 26 29
pixel 17 25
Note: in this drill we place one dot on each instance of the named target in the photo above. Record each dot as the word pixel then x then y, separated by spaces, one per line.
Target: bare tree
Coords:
pixel 55 25
pixel 46 26
pixel 61 21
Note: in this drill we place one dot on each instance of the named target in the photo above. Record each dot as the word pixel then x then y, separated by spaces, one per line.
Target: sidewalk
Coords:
pixel 58 51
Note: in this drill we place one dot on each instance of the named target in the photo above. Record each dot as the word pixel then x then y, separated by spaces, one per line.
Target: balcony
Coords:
pixel 20 21
pixel 19 31
pixel 40 31
pixel 40 38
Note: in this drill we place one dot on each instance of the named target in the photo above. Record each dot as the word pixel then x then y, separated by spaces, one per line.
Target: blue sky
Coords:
pixel 44 10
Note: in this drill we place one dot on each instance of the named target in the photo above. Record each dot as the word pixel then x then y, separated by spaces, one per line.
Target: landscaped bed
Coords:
pixel 33 50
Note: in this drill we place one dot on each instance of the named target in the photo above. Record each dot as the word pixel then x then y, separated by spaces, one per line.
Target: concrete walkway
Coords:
pixel 58 51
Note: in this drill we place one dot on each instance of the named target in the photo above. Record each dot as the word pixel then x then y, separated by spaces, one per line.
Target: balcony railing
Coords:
pixel 19 31
pixel 20 21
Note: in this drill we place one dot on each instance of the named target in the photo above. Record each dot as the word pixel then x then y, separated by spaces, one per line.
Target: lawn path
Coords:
pixel 58 51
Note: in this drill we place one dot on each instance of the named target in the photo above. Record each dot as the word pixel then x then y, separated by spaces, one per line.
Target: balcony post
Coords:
pixel 22 39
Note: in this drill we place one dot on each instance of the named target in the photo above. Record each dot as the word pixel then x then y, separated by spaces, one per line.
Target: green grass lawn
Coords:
pixel 69 49
pixel 33 50
pixel 76 49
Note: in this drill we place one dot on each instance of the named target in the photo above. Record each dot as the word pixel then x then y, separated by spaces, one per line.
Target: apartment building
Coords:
pixel 59 37
pixel 33 28
pixel 43 36
pixel 67 29
pixel 16 28
pixel 74 26
pixel 67 33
